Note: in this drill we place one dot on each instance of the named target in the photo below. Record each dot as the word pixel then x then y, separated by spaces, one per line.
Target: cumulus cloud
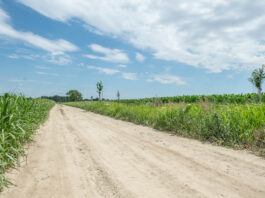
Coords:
pixel 55 47
pixel 166 79
pixel 129 76
pixel 216 35
pixel 112 55
pixel 139 57
pixel 104 70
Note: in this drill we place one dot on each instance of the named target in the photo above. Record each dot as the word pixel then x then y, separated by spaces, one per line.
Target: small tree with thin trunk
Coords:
pixel 118 95
pixel 99 89
pixel 257 78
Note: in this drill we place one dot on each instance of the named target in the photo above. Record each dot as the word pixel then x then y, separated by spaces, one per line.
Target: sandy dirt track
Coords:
pixel 81 154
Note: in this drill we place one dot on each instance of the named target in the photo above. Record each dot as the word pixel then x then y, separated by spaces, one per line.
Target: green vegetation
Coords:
pixel 236 125
pixel 74 95
pixel 57 98
pixel 257 78
pixel 99 89
pixel 217 99
pixel 19 118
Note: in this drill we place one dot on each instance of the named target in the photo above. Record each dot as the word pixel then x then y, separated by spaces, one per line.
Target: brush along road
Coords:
pixel 81 154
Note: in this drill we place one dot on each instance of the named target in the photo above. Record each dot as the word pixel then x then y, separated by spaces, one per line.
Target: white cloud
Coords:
pixel 42 67
pixel 29 57
pixel 112 55
pixel 108 71
pixel 63 59
pixel 167 79
pixel 230 76
pixel 48 74
pixel 55 47
pixel 139 57
pixel 20 81
pixel 216 35
pixel 104 70
pixel 13 56
pixel 122 66
pixel 129 76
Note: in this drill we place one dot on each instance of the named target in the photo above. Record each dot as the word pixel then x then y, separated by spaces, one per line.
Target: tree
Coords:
pixel 99 89
pixel 118 95
pixel 74 95
pixel 257 78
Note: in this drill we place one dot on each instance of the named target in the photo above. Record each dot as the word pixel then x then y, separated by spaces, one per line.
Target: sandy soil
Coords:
pixel 81 154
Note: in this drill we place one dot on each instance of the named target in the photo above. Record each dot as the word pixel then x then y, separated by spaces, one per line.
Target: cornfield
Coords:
pixel 217 99
pixel 19 118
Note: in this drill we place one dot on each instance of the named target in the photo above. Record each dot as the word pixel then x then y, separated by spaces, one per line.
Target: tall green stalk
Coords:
pixel 19 118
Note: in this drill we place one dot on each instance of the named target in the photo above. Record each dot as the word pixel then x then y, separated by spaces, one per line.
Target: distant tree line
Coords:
pixel 74 95
pixel 57 98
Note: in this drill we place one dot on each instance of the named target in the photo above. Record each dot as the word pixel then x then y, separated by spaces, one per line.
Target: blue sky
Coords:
pixel 141 48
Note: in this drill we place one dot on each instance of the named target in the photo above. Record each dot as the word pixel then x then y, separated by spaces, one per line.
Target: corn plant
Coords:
pixel 19 118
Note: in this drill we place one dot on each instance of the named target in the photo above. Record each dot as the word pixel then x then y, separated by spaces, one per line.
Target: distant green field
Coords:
pixel 235 125
pixel 217 99
pixel 19 118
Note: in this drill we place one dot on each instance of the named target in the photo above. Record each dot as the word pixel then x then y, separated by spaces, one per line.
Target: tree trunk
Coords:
pixel 99 97
pixel 260 96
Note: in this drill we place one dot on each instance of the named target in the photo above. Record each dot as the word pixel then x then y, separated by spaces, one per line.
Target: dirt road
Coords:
pixel 81 154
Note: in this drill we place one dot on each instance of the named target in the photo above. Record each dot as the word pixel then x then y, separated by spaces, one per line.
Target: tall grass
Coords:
pixel 236 125
pixel 19 118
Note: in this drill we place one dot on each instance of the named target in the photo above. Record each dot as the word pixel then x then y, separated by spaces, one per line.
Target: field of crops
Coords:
pixel 217 99
pixel 235 125
pixel 19 118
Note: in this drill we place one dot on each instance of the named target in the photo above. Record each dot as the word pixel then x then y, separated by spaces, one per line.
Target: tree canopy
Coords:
pixel 74 95
pixel 257 78
pixel 99 89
